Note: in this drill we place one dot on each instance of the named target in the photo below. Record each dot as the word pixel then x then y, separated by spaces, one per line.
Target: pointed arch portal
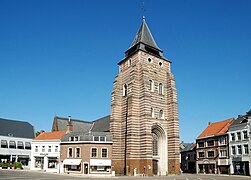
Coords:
pixel 159 150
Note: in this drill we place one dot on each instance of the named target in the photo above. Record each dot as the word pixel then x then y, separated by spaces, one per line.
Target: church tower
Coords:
pixel 144 111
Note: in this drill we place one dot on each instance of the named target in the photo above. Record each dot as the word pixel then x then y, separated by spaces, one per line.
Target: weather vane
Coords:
pixel 143 9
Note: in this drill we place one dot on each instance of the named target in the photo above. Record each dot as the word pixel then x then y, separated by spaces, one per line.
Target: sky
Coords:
pixel 60 57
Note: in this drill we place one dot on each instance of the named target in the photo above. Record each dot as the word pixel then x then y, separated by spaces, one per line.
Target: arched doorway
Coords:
pixel 159 150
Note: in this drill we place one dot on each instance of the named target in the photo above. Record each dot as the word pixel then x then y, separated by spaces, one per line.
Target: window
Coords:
pixel 201 144
pixel 152 112
pixel 160 64
pixel 52 162
pixel 239 149
pixel 210 143
pixel 56 148
pixel 149 60
pixel 99 138
pixel 43 148
pixel 27 145
pixel 210 154
pixel 70 152
pixel 151 85
pixel 233 136
pixel 104 153
pixel 39 162
pixel 155 144
pixel 20 145
pixel 94 152
pixel 102 138
pixel 49 148
pixel 4 144
pixel 74 138
pixel 161 114
pixel 201 154
pixel 12 144
pixel 238 136
pixel 96 138
pixel 129 62
pixel 36 148
pixel 125 90
pixel 161 89
pixel 223 153
pixel 223 141
pixel 233 150
pixel 245 135
pixel 77 155
pixel 246 151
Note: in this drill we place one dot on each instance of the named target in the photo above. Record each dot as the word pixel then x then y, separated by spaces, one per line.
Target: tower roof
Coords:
pixel 144 36
pixel 144 41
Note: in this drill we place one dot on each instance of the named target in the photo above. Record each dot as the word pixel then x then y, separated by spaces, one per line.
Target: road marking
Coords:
pixel 187 179
pixel 199 178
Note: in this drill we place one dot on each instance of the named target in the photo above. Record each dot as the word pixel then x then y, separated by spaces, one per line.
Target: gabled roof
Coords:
pixel 16 128
pixel 60 124
pixel 188 147
pixel 216 128
pixel 101 125
pixel 144 36
pixel 55 135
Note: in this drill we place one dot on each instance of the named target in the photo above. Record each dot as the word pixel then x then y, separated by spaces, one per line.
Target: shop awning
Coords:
pixel 72 161
pixel 100 162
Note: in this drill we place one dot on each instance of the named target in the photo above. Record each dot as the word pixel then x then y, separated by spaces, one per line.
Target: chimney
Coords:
pixel 41 131
pixel 209 123
pixel 69 125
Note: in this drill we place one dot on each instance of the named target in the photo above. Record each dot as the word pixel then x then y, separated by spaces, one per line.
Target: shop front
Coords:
pixel 72 166
pixel 102 166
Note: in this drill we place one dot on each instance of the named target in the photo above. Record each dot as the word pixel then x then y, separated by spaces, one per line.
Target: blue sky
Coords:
pixel 60 57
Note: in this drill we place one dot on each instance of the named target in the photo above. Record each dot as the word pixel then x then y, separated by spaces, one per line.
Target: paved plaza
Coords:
pixel 31 175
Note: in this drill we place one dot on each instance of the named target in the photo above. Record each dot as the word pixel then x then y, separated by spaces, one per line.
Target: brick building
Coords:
pixel 212 148
pixel 144 114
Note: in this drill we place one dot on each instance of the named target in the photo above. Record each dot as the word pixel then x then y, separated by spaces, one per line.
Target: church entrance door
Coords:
pixel 155 167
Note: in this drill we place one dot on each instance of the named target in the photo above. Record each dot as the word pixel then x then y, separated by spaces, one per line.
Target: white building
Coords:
pixel 45 153
pixel 239 145
pixel 15 139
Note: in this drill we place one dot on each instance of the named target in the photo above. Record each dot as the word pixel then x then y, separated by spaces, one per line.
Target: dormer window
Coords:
pixel 99 138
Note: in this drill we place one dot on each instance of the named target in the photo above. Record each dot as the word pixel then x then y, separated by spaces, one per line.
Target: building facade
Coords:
pixel 188 157
pixel 15 139
pixel 45 154
pixel 212 148
pixel 239 145
pixel 88 153
pixel 144 114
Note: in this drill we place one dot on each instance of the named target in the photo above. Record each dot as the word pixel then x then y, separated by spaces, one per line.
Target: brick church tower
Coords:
pixel 144 113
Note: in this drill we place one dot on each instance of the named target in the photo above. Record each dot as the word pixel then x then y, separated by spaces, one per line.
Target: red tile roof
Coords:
pixel 55 135
pixel 216 128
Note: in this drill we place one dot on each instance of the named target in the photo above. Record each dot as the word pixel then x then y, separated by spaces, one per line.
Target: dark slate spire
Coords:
pixel 144 41
pixel 144 36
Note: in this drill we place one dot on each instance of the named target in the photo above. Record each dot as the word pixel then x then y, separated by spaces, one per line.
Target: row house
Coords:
pixel 15 139
pixel 45 153
pixel 239 145
pixel 74 147
pixel 188 157
pixel 212 148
